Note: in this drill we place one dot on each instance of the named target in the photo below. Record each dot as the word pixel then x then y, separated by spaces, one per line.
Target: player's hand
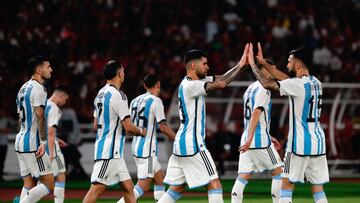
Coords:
pixel 277 145
pixel 250 55
pixel 51 155
pixel 143 132
pixel 260 56
pixel 40 151
pixel 245 147
pixel 243 61
pixel 62 143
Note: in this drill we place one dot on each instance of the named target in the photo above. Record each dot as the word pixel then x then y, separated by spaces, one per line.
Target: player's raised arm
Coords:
pixel 276 73
pixel 221 81
pixel 265 82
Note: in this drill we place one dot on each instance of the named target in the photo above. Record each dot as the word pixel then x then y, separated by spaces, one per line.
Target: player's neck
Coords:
pixel 38 79
pixel 192 75
pixel 303 72
pixel 114 83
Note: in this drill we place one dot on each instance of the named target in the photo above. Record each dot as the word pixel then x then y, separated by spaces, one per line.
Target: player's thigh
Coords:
pixel 294 167
pixel 199 169
pixel 96 189
pixel 48 180
pixel 24 169
pixel 174 174
pixel 35 166
pixel 266 159
pixel 317 171
pixel 109 172
pixel 246 164
pixel 127 185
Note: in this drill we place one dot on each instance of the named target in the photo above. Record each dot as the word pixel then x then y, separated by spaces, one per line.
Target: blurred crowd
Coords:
pixel 153 35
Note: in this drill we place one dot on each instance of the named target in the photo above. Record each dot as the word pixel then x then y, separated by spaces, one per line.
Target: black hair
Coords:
pixel 194 54
pixel 62 88
pixel 150 80
pixel 303 55
pixel 35 61
pixel 110 69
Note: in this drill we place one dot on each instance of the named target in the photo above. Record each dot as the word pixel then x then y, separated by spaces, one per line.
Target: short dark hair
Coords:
pixel 35 61
pixel 62 88
pixel 150 80
pixel 110 69
pixel 194 54
pixel 303 55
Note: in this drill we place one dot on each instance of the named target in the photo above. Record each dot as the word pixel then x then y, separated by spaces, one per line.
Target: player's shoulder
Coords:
pixel 36 86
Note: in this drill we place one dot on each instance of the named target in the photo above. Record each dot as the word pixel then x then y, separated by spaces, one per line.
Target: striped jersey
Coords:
pixel 306 137
pixel 147 111
pixel 111 107
pixel 53 115
pixel 190 138
pixel 256 96
pixel 32 94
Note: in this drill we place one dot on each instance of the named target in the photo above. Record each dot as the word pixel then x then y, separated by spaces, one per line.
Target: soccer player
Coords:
pixel 31 140
pixel 306 150
pixel 53 115
pixel 147 110
pixel 257 152
pixel 112 120
pixel 191 162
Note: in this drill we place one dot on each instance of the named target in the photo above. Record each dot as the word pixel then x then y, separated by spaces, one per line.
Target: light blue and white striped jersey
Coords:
pixel 111 107
pixel 146 111
pixel 53 115
pixel 190 138
pixel 256 96
pixel 32 94
pixel 306 137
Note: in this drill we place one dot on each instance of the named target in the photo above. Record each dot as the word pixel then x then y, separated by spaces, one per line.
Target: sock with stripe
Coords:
pixel 285 196
pixel 216 196
pixel 159 191
pixel 170 196
pixel 320 197
pixel 59 192
pixel 35 194
pixel 238 190
pixel 24 191
pixel 275 188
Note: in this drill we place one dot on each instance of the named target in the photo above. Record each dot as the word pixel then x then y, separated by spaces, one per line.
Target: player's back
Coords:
pixel 32 94
pixel 147 111
pixel 53 115
pixel 306 137
pixel 190 137
pixel 110 108
pixel 257 97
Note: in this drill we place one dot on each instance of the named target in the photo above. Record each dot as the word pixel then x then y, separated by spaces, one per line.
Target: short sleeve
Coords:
pixel 262 98
pixel 53 117
pixel 196 88
pixel 120 105
pixel 290 87
pixel 159 111
pixel 39 96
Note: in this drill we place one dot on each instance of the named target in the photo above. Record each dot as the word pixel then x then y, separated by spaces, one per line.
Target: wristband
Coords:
pixel 43 142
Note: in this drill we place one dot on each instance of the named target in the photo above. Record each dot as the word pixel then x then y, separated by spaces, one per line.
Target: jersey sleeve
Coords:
pixel 196 88
pixel 53 117
pixel 159 111
pixel 262 98
pixel 39 96
pixel 290 87
pixel 120 105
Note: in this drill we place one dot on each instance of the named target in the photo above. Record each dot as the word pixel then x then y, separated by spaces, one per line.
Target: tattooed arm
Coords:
pixel 41 122
pixel 221 81
pixel 265 82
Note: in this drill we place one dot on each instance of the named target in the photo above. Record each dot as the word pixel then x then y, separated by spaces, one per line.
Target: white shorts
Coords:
pixel 58 164
pixel 196 171
pixel 259 160
pixel 314 168
pixel 110 172
pixel 36 167
pixel 147 167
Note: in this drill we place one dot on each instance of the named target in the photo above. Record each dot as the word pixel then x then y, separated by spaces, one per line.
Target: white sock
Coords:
pixel 320 197
pixel 170 196
pixel 275 188
pixel 59 192
pixel 36 193
pixel 24 191
pixel 237 190
pixel 159 191
pixel 215 196
pixel 285 196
